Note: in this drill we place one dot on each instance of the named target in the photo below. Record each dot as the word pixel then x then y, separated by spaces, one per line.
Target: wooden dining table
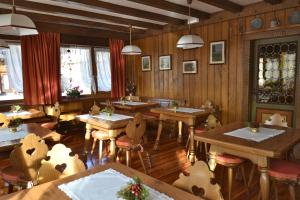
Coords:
pixel 112 127
pixel 50 190
pixel 28 128
pixel 133 106
pixel 24 114
pixel 189 116
pixel 260 153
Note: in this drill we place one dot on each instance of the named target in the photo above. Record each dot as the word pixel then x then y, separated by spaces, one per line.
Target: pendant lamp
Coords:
pixel 131 49
pixel 16 24
pixel 190 41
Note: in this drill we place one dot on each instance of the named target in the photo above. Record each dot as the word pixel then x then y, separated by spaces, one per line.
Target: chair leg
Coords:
pixel 244 177
pixel 148 159
pixel 292 191
pixel 142 161
pixel 128 157
pixel 100 151
pixel 274 184
pixel 94 145
pixel 10 188
pixel 187 143
pixel 118 155
pixel 230 176
pixel 251 175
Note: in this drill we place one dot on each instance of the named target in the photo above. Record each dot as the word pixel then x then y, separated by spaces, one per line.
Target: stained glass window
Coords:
pixel 277 73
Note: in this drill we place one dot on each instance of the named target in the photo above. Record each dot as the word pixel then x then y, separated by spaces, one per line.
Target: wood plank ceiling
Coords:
pixel 111 18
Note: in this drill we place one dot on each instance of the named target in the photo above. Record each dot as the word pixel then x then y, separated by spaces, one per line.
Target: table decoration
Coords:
pixel 14 124
pixel 254 127
pixel 74 92
pixel 15 108
pixel 174 105
pixel 134 190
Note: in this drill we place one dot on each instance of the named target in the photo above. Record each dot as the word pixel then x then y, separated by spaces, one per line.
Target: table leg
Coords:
pixel 264 183
pixel 212 159
pixel 87 139
pixel 158 135
pixel 192 145
pixel 112 149
pixel 179 139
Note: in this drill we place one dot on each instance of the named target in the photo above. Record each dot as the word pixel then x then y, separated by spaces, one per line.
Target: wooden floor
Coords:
pixel 169 161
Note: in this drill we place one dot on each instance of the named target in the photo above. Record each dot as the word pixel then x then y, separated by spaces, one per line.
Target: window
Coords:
pixel 103 69
pixel 76 69
pixel 11 82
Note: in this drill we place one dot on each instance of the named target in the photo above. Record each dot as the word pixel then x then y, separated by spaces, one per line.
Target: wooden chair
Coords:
pixel 55 113
pixel 102 137
pixel 25 160
pixel 132 140
pixel 276 120
pixel 3 121
pixel 59 164
pixel 133 98
pixel 199 182
pixel 95 110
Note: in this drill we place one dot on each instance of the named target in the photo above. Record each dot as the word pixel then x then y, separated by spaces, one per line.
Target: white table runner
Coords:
pixel 103 185
pixel 7 135
pixel 104 116
pixel 130 103
pixel 187 110
pixel 16 114
pixel 263 134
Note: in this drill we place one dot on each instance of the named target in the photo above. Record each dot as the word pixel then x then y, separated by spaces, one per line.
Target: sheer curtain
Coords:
pixel 13 61
pixel 76 69
pixel 103 69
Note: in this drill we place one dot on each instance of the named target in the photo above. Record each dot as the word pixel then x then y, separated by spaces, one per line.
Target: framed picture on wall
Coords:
pixel 217 53
pixel 146 63
pixel 165 62
pixel 189 67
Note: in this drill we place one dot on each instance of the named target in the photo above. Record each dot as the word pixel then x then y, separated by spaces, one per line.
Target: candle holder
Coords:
pixel 254 127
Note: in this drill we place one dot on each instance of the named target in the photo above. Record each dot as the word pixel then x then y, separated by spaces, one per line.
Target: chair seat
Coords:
pixel 49 125
pixel 283 169
pixel 229 159
pixel 200 130
pixel 11 175
pixel 156 115
pixel 100 135
pixel 124 142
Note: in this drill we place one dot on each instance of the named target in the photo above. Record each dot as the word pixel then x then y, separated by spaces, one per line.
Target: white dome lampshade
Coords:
pixel 190 42
pixel 16 24
pixel 131 49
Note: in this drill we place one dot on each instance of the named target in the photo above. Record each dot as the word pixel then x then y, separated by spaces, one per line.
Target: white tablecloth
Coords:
pixel 130 103
pixel 7 135
pixel 103 185
pixel 104 116
pixel 16 114
pixel 263 134
pixel 187 110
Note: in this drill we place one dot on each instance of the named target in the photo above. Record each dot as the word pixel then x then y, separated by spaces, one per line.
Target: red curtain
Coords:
pixel 41 68
pixel 117 63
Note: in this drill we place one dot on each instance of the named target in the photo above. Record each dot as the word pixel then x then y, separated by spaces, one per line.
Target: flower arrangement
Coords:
pixel 131 88
pixel 134 190
pixel 15 108
pixel 174 104
pixel 14 124
pixel 74 92
pixel 109 109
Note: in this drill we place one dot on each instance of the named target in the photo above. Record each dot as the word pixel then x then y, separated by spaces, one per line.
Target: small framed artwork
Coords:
pixel 189 67
pixel 217 53
pixel 146 63
pixel 165 62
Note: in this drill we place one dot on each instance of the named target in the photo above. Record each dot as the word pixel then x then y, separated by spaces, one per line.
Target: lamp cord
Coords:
pixel 189 24
pixel 130 27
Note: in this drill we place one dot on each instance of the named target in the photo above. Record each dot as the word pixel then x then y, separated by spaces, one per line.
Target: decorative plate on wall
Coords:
pixel 294 17
pixel 256 23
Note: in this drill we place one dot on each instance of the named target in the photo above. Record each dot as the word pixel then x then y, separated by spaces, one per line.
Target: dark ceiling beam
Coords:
pixel 273 1
pixel 129 11
pixel 173 7
pixel 79 31
pixel 58 9
pixel 225 5
pixel 66 20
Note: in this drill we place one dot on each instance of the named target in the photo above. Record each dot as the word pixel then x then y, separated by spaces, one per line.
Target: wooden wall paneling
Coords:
pixel 156 54
pixel 211 68
pixel 172 50
pixel 218 68
pixel 204 64
pixel 197 83
pixel 225 75
pixel 179 79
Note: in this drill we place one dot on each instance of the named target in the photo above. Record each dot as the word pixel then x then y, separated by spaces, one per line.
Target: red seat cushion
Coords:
pixel 229 159
pixel 200 130
pixel 283 169
pixel 49 125
pixel 11 175
pixel 124 142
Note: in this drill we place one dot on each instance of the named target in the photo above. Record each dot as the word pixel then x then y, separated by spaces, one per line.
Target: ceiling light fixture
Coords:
pixel 131 49
pixel 16 24
pixel 190 41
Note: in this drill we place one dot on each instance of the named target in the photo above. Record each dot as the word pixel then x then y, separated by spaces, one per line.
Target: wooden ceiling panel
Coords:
pixel 224 4
pixel 273 1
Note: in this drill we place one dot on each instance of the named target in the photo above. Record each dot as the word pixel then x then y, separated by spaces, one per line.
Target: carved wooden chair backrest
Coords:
pixel 212 122
pixel 54 110
pixel 27 156
pixel 3 121
pixel 199 182
pixel 95 110
pixel 59 164
pixel 212 107
pixel 135 129
pixel 276 120
pixel 133 98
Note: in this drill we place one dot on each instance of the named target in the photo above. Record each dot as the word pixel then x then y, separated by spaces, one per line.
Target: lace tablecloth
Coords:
pixel 16 114
pixel 103 185
pixel 187 110
pixel 6 134
pixel 130 103
pixel 263 134
pixel 104 116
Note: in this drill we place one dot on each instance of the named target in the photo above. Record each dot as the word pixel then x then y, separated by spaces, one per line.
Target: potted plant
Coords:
pixel 134 190
pixel 108 110
pixel 130 88
pixel 174 105
pixel 15 108
pixel 14 124
pixel 74 92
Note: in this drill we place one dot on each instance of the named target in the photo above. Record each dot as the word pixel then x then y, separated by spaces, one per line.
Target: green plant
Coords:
pixel 15 108
pixel 74 92
pixel 174 104
pixel 108 110
pixel 134 190
pixel 14 123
